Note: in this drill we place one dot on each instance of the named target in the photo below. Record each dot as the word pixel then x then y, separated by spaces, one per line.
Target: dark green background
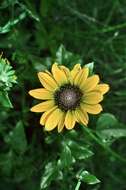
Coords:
pixel 30 34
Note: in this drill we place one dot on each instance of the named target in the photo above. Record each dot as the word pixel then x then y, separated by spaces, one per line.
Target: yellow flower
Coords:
pixel 68 96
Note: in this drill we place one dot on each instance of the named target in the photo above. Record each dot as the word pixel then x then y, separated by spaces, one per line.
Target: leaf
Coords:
pixel 109 129
pixel 66 158
pixel 79 150
pixel 4 100
pixel 91 67
pixel 67 58
pixel 30 9
pixel 7 3
pixel 106 120
pixel 88 178
pixel 17 138
pixel 7 27
pixel 113 133
pixel 6 163
pixel 7 75
pixel 72 134
pixel 50 174
pixel 109 135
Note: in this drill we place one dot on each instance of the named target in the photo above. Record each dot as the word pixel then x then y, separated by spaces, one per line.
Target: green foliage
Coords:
pixel 49 175
pixel 80 152
pixel 33 35
pixel 88 178
pixel 7 75
pixel 91 67
pixel 7 78
pixel 17 139
pixel 4 99
pixel 7 27
pixel 65 57
pixel 66 157
pixel 109 128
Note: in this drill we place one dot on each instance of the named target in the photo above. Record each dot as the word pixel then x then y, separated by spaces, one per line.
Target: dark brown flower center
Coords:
pixel 68 97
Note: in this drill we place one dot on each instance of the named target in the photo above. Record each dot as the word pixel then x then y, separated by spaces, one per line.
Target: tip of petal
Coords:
pixel 47 129
pixel 86 125
pixel 59 131
pixel 39 73
pixel 104 88
pixel 29 92
pixel 107 87
pixel 77 66
pixel 101 108
pixel 31 110
pixel 55 63
pixel 54 66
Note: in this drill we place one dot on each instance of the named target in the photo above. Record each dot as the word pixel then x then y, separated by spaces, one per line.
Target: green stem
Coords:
pixel 114 28
pixel 78 185
pixel 103 145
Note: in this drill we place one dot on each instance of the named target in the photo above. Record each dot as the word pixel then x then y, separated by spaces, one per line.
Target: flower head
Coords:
pixel 68 96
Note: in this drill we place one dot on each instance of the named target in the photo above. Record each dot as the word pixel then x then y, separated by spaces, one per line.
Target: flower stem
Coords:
pixel 103 145
pixel 78 185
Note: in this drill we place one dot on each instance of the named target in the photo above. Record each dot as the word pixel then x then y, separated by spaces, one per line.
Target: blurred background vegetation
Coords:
pixel 32 35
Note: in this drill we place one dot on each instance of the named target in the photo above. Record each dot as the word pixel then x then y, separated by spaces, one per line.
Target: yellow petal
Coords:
pixel 61 123
pixel 70 120
pixel 47 81
pixel 81 77
pixel 46 114
pixel 93 109
pixel 82 116
pixel 48 72
pixel 75 70
pixel 84 76
pixel 103 88
pixel 90 83
pixel 77 77
pixel 53 119
pixel 93 97
pixel 44 106
pixel 84 112
pixel 41 93
pixel 66 71
pixel 59 75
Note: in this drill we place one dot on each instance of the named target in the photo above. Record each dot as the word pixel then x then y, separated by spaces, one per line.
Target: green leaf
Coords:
pixel 88 178
pixel 30 9
pixel 7 79
pixel 109 129
pixel 17 138
pixel 4 100
pixel 49 174
pixel 7 3
pixel 113 133
pixel 8 26
pixel 66 158
pixel 7 75
pixel 106 120
pixel 67 58
pixel 91 67
pixel 6 163
pixel 79 150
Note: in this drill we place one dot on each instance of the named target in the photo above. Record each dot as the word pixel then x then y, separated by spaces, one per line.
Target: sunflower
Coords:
pixel 68 96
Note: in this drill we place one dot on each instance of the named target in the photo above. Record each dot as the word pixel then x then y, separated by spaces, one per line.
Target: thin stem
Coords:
pixel 78 185
pixel 114 28
pixel 103 145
